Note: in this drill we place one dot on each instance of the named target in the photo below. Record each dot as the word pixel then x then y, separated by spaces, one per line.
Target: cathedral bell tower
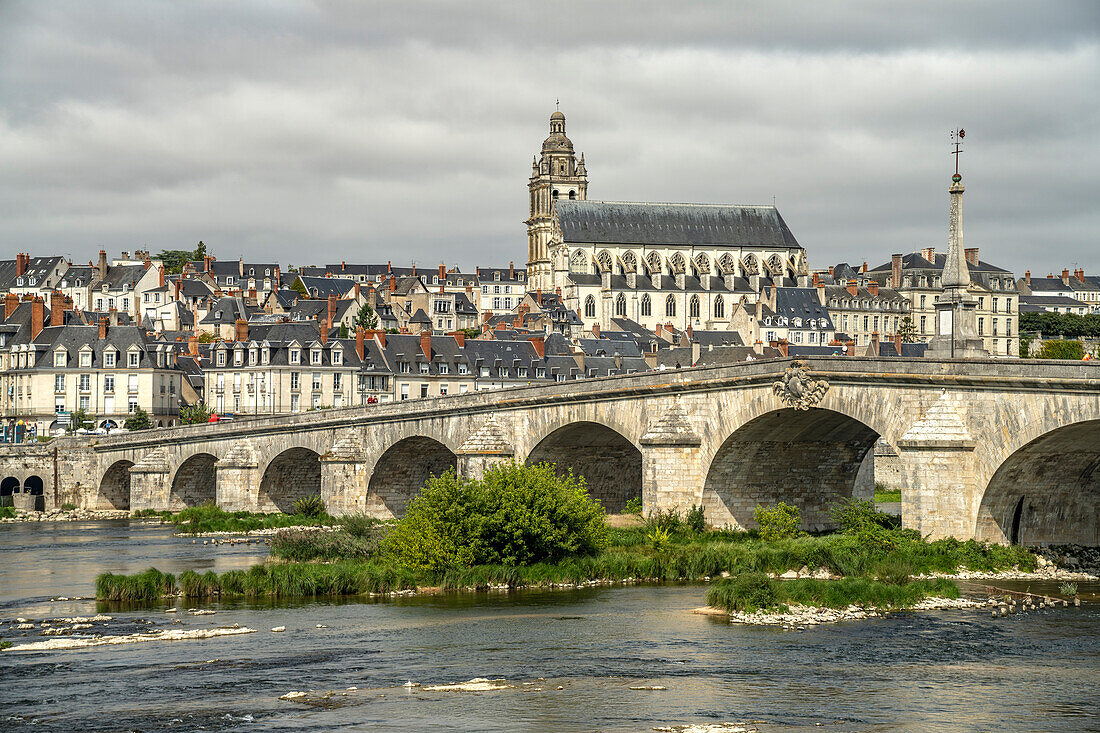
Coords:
pixel 556 174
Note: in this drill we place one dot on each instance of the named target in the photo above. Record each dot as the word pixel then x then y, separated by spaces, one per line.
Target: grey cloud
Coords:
pixel 375 131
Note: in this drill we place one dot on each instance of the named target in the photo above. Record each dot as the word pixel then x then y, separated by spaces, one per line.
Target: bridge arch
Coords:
pixel 402 470
pixel 193 482
pixel 114 487
pixel 1047 491
pixel 9 486
pixel 289 476
pixel 609 462
pixel 805 458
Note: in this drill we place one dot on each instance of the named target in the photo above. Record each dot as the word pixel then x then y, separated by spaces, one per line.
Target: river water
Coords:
pixel 948 670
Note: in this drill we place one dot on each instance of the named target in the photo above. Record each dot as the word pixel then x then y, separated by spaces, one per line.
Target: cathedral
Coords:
pixel 652 263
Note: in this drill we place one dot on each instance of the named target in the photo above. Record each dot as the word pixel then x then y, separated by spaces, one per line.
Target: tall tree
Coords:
pixel 366 317
pixel 139 420
pixel 907 331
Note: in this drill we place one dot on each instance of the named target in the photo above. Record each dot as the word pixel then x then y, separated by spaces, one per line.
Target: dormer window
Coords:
pixel 134 359
pixel 266 355
pixel 228 279
pixel 251 271
pixel 19 281
pixel 59 359
pixel 295 356
pixel 86 359
pixel 315 356
pixel 238 357
pixel 253 356
pixel 337 357
pixel 221 358
pixel 109 359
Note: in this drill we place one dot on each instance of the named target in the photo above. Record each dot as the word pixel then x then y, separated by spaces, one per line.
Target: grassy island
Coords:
pixel 528 527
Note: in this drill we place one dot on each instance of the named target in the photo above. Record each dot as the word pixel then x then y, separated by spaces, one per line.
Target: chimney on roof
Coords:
pixel 971 254
pixel 1065 277
pixel 864 266
pixel 102 264
pixel 459 337
pixel 660 330
pixel 426 344
pixel 57 308
pixel 517 321
pixel 379 336
pixel 830 270
pixel 853 288
pixel 500 325
pixel 538 297
pixel 1027 277
pixel 784 347
pixel 690 333
pixel 113 313
pixel 207 263
pixel 874 343
pixel 557 291
pixel 146 263
pixel 331 308
pixel 511 270
pixel 242 330
pixel 389 266
pixel 177 287
pixel 539 342
pixel 872 287
pixel 358 290
pixel 393 283
pixel 1080 274
pixel 929 253
pixel 324 329
pixel 895 271
pixel 193 344
pixel 469 289
pixel 442 274
pixel 343 265
pixel 103 327
pixel 359 342
pixel 38 316
pixel 11 302
pixel 21 261
pixel 596 330
pixel 897 344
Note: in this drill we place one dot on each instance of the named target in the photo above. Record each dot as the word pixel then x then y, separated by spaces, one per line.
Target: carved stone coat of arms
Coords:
pixel 797 389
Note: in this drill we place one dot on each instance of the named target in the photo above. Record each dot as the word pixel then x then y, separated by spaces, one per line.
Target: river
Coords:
pixel 948 670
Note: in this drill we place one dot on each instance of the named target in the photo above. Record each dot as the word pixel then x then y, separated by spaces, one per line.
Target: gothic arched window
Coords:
pixel 620 306
pixel 589 307
pixel 653 263
pixel 693 307
pixel 603 259
pixel 647 306
pixel 630 262
pixel 677 265
pixel 719 307
pixel 578 262
pixel 670 306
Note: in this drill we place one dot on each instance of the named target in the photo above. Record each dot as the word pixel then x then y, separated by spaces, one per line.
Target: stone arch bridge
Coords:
pixel 1007 450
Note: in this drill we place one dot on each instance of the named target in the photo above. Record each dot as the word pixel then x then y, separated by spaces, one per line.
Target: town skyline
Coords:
pixel 302 140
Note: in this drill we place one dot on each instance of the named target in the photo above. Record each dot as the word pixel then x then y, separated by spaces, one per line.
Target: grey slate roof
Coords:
pixel 801 303
pixel 614 222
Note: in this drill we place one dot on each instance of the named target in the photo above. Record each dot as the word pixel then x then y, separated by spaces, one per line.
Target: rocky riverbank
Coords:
pixel 1048 569
pixel 68 515
pixel 799 617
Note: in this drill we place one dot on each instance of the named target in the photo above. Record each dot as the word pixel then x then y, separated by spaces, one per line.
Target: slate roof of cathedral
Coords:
pixel 615 222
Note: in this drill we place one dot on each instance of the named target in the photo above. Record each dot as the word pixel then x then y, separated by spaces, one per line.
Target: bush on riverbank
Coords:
pixel 515 515
pixel 148 585
pixel 756 591
pixel 307 544
pixel 208 517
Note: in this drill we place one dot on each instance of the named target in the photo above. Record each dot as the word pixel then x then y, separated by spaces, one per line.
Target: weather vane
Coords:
pixel 557 104
pixel 957 138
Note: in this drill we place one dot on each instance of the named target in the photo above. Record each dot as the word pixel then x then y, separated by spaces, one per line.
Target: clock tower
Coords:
pixel 556 174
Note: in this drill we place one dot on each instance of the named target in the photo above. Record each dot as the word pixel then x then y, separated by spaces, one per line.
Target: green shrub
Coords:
pixel 778 522
pixel 68 507
pixel 747 592
pixel 360 525
pixel 658 538
pixel 7 512
pixel 666 520
pixel 515 515
pixel 633 505
pixel 309 506
pixel 856 515
pixel 696 520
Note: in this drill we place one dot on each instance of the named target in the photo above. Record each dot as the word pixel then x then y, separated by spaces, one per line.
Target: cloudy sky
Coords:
pixel 312 132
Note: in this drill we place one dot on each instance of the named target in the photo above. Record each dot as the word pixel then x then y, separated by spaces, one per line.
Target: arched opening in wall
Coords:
pixel 609 463
pixel 8 486
pixel 1047 492
pixel 805 458
pixel 193 483
pixel 114 487
pixel 403 470
pixel 291 475
pixel 34 486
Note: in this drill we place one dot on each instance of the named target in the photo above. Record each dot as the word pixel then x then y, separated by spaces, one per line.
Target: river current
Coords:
pixel 946 670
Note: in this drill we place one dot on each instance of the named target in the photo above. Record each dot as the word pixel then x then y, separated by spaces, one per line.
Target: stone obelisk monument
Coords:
pixel 956 334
